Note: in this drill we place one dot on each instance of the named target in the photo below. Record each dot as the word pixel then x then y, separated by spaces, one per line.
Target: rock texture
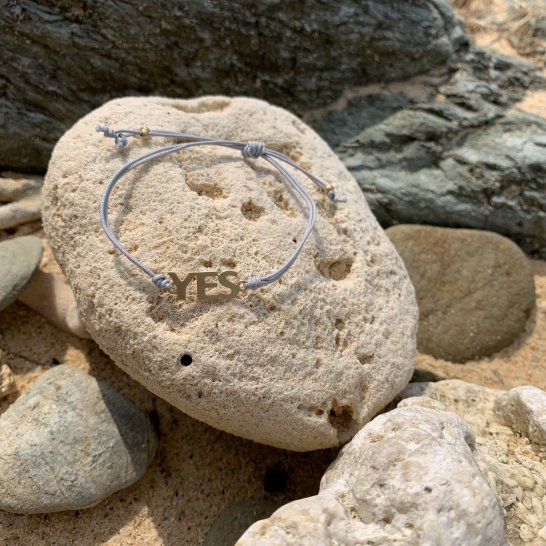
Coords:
pixel 277 54
pixel 509 428
pixel 408 477
pixel 302 364
pixel 68 442
pixel 7 381
pixel 19 258
pixel 474 289
pixel 447 149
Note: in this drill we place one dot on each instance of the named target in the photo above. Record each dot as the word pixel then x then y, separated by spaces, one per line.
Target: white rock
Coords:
pixel 407 478
pixel 508 435
pixel 524 409
pixel 301 364
pixel 14 186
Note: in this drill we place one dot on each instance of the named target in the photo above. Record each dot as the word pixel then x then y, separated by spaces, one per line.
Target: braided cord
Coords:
pixel 249 150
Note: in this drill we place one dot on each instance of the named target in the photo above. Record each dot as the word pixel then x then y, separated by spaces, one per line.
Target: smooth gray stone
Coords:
pixel 297 54
pixel 474 289
pixel 68 442
pixel 19 258
pixel 457 156
pixel 236 519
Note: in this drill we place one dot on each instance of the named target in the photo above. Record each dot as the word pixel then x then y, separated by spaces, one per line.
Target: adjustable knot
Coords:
pixel 119 138
pixel 253 149
pixel 254 283
pixel 161 281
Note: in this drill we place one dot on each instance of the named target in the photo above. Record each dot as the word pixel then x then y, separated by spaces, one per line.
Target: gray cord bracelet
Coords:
pixel 250 150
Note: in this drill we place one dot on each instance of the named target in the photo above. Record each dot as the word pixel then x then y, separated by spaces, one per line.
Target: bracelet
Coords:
pixel 249 150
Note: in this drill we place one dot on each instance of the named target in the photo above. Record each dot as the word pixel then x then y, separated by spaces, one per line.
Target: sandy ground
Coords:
pixel 199 471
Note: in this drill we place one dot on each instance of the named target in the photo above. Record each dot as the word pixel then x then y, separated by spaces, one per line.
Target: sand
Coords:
pixel 200 471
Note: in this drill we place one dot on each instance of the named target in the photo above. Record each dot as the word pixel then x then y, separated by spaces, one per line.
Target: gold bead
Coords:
pixel 327 189
pixel 145 131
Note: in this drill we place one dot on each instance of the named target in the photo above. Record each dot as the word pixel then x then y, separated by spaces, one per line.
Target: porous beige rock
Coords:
pixel 508 428
pixel 301 364
pixel 407 478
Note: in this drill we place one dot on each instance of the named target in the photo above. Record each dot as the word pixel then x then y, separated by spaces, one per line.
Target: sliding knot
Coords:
pixel 254 283
pixel 162 282
pixel 253 149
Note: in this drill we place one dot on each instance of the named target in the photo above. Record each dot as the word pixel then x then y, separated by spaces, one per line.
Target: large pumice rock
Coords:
pixel 408 477
pixel 301 364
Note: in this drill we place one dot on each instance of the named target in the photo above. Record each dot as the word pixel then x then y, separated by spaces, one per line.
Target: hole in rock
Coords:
pixel 251 211
pixel 365 358
pixel 341 418
pixel 212 191
pixel 186 359
pixel 206 263
pixel 230 263
pixel 336 270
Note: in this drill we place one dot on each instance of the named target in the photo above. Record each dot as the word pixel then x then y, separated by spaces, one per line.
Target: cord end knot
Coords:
pixel 119 138
pixel 253 149
pixel 254 283
pixel 161 281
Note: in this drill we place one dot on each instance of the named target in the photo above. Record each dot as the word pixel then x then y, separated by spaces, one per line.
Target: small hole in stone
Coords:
pixel 428 489
pixel 319 412
pixel 186 360
pixel 336 270
pixel 199 394
pixel 251 211
pixel 206 263
pixel 340 324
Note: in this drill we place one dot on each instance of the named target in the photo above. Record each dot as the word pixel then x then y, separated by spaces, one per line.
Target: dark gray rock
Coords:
pixel 474 289
pixel 68 442
pixel 457 156
pixel 61 59
pixel 19 257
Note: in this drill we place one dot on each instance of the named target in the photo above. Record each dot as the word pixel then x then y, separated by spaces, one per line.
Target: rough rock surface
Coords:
pixel 7 382
pixel 509 428
pixel 302 364
pixel 447 149
pixel 474 289
pixel 408 477
pixel 68 442
pixel 19 258
pixel 524 409
pixel 303 55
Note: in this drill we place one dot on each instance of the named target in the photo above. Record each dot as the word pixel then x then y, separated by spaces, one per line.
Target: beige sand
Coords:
pixel 199 470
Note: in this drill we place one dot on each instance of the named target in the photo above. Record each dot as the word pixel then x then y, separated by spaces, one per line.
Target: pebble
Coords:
pixel 19 212
pixel 50 295
pixel 13 187
pixel 68 442
pixel 301 364
pixel 19 258
pixel 475 289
